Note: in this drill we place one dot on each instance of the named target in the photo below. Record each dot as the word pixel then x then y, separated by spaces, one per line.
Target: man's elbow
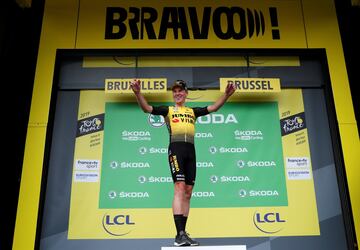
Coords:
pixel 212 109
pixel 147 109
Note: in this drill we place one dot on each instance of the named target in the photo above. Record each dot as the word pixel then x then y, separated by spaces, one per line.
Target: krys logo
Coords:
pixel 225 22
pixel 118 225
pixel 268 223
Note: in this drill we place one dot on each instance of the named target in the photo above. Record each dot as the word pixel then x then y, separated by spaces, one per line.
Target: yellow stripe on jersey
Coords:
pixel 181 124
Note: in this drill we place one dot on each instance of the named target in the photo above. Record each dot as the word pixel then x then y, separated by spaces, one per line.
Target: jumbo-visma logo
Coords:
pixel 269 223
pixel 118 225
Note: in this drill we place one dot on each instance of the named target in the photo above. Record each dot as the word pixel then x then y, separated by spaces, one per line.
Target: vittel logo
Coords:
pixel 217 119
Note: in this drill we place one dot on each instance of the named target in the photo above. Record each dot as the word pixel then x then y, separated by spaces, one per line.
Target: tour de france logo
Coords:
pixel 156 121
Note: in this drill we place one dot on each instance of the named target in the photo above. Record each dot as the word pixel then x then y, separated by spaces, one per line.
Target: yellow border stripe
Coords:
pixel 186 61
pixel 57 32
pixel 325 34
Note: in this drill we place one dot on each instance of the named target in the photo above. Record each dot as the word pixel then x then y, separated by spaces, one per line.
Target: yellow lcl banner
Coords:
pixel 122 86
pixel 252 85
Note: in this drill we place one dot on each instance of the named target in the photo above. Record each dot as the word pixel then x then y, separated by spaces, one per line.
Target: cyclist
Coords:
pixel 180 121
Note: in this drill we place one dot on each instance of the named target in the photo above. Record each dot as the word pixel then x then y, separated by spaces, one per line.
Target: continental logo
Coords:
pixel 187 22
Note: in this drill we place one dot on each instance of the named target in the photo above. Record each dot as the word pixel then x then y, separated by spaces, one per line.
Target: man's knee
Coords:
pixel 180 187
pixel 188 192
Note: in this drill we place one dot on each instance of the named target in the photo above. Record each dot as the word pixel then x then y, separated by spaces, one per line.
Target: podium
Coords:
pixel 233 247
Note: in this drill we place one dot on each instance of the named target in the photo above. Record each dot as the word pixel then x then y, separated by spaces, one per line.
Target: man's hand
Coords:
pixel 230 89
pixel 135 86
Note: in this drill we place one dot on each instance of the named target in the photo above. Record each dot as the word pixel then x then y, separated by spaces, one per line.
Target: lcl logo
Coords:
pixel 118 225
pixel 268 223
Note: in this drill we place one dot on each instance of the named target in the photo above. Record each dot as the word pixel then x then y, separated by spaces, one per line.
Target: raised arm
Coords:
pixel 135 86
pixel 230 89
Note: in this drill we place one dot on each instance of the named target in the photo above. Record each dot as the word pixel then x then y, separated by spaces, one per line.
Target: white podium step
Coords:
pixel 239 247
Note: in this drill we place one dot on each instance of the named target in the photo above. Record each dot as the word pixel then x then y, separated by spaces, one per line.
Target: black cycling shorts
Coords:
pixel 182 161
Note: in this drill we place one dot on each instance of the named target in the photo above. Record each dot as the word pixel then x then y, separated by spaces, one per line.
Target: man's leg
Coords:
pixel 181 207
pixel 188 193
pixel 178 206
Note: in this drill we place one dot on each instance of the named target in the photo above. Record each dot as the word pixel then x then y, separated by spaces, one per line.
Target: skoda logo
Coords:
pixel 156 121
pixel 142 179
pixel 142 150
pixel 242 193
pixel 241 164
pixel 114 164
pixel 112 194
pixel 212 149
pixel 214 178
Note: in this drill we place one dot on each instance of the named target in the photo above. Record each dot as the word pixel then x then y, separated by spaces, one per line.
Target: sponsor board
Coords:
pixel 86 176
pixel 87 164
pixel 251 85
pixel 239 180
pixel 150 85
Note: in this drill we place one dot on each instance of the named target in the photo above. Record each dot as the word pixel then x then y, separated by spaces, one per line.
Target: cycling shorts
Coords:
pixel 182 162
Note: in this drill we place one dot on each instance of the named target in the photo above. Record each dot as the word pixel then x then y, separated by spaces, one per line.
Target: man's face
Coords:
pixel 179 95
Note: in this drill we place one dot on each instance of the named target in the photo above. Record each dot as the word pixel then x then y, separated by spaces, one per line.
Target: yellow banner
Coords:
pixel 122 86
pixel 185 24
pixel 251 85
